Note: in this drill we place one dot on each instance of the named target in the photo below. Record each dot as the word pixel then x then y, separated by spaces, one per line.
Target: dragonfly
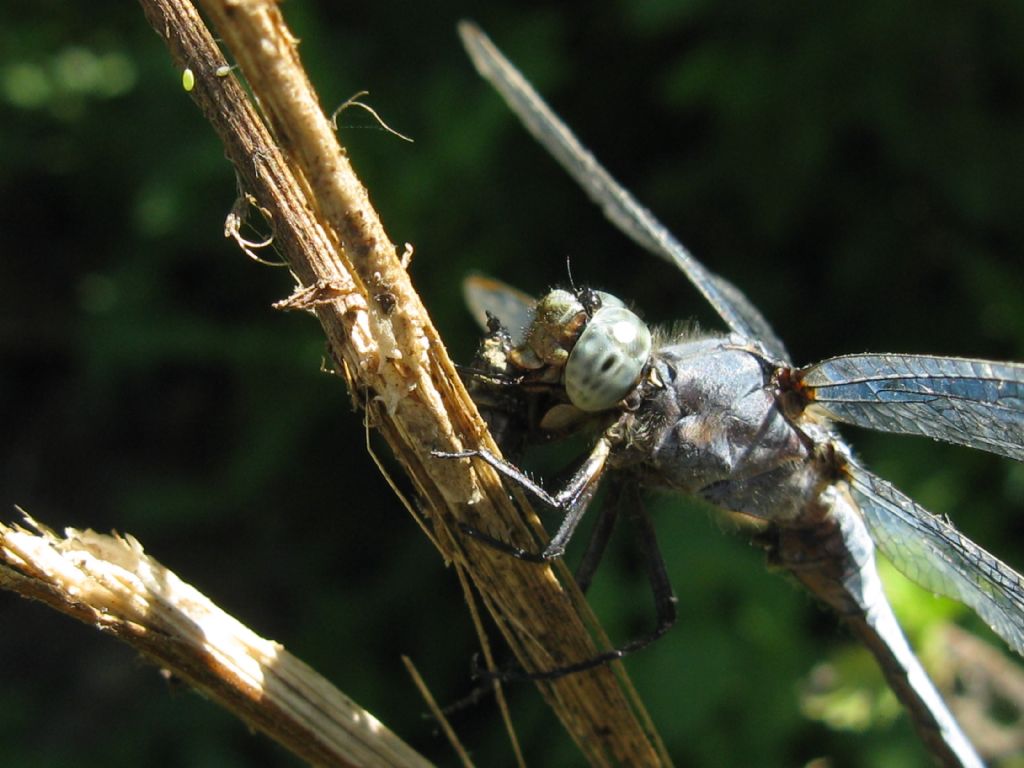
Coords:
pixel 728 418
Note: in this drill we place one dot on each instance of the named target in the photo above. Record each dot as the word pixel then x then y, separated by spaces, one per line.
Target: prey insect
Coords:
pixel 727 418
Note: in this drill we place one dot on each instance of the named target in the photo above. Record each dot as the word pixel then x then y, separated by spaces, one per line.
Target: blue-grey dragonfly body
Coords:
pixel 727 418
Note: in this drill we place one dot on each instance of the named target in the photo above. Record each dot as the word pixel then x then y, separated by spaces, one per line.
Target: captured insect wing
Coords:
pixel 487 297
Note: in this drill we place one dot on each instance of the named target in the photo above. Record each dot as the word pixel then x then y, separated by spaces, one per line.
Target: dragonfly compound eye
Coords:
pixel 606 362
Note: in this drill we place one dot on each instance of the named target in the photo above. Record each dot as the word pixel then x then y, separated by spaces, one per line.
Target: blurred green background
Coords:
pixel 857 169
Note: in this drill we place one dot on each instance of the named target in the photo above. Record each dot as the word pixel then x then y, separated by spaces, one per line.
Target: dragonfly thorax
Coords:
pixel 711 427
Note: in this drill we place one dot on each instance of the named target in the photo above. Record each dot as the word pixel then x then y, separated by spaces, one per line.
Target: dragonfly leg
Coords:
pixel 599 539
pixel 657 574
pixel 625 495
pixel 572 500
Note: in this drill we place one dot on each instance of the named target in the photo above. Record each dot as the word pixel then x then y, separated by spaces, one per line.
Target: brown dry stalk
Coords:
pixel 394 361
pixel 112 584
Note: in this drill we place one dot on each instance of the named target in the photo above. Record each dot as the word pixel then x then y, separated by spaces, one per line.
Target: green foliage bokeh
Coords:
pixel 857 169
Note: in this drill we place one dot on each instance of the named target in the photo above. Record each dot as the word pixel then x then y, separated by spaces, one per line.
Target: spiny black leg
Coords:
pixel 599 538
pixel 502 467
pixel 572 500
pixel 579 492
pixel 657 574
pixel 503 546
pixel 480 691
pixel 664 599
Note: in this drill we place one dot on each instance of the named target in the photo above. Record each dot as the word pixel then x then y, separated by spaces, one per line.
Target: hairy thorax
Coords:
pixel 710 426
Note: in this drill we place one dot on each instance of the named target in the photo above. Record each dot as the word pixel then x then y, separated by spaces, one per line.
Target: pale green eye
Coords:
pixel 607 360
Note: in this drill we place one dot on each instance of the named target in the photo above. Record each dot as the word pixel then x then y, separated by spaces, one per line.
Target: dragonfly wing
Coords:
pixel 934 554
pixel 618 205
pixel 513 308
pixel 976 403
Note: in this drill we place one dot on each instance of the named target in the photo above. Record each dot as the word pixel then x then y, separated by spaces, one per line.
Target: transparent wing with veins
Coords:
pixel 976 403
pixel 486 296
pixel 934 554
pixel 618 205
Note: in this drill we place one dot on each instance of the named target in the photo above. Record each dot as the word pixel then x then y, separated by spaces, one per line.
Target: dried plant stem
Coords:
pixel 112 584
pixel 393 358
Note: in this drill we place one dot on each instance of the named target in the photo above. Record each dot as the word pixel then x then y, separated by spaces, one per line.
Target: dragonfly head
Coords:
pixel 597 346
